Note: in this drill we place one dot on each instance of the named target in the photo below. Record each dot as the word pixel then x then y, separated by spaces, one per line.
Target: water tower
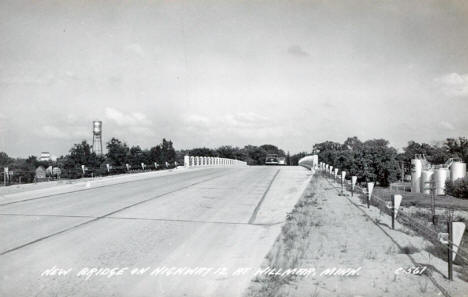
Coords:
pixel 97 137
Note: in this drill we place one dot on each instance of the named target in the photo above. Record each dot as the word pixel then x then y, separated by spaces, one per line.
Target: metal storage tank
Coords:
pixel 457 170
pixel 416 168
pixel 441 175
pixel 426 178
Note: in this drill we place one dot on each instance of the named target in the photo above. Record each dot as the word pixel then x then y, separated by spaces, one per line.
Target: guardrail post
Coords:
pixel 370 187
pixel 450 247
pixel 393 212
pixel 353 184
pixel 343 176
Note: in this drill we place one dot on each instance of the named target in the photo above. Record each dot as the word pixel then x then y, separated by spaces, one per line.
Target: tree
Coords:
pixel 163 153
pixel 458 148
pixel 137 156
pixel 379 161
pixel 117 152
pixel 82 154
pixel 5 161
pixel 434 154
pixel 203 152
pixel 168 151
pixel 272 149
pixel 352 143
pixel 372 160
pixel 294 159
pixel 255 155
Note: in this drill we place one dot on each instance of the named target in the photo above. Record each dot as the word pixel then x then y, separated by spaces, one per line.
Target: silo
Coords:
pixel 416 168
pixel 441 175
pixel 426 181
pixel 457 170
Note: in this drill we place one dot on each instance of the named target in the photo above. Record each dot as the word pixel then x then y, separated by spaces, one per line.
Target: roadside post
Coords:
pixel 396 201
pixel 353 184
pixel 343 176
pixel 452 239
pixel 370 188
pixel 5 175
pixel 450 247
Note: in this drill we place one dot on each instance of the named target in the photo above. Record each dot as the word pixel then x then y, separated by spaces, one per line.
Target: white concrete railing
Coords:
pixel 309 162
pixel 195 161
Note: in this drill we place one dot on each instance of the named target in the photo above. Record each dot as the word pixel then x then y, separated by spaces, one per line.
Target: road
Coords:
pixel 221 219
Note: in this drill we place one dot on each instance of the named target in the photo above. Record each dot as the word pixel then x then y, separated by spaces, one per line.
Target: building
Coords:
pixel 45 156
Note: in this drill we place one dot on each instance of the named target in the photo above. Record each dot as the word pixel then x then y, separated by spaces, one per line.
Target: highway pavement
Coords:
pixel 188 232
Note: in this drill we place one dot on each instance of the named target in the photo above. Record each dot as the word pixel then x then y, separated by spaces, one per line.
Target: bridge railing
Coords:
pixel 200 161
pixel 309 162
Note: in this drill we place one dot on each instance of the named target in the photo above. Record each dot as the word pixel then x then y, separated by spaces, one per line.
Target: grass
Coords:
pixel 289 248
pixel 408 250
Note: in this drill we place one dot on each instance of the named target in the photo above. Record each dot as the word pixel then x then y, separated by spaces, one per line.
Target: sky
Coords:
pixel 210 73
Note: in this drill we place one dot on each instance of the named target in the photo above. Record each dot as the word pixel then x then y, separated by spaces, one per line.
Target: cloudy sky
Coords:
pixel 207 73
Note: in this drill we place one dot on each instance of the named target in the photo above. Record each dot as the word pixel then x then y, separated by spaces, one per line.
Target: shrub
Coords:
pixel 459 188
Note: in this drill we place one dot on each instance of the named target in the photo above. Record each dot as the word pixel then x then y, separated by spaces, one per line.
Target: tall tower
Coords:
pixel 97 137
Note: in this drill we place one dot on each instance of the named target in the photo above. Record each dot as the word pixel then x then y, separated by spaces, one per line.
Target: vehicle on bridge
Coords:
pixel 274 159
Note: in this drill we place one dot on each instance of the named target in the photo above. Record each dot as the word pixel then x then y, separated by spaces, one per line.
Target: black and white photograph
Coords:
pixel 233 148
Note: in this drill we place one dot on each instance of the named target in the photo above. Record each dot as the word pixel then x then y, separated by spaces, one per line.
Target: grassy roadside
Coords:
pixel 314 236
pixel 290 246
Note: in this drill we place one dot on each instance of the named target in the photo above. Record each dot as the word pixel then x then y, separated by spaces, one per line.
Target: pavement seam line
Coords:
pixel 104 216
pixel 257 208
pixel 136 219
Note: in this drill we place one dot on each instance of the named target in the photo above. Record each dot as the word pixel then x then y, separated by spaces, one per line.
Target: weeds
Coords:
pixel 408 250
pixel 371 255
pixel 423 285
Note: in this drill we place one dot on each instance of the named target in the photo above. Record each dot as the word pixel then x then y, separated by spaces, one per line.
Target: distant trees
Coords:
pixel 163 153
pixel 21 167
pixel 457 147
pixel 372 160
pixel 5 160
pixel 436 154
pixel 118 155
pixel 294 159
pixel 458 188
pixel 253 155
pixel 376 160
pixel 79 154
pixel 117 152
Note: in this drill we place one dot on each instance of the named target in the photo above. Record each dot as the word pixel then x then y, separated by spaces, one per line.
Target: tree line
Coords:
pixel 371 160
pixel 253 155
pixel 375 160
pixel 119 154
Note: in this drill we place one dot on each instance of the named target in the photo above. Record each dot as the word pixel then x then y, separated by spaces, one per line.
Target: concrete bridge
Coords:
pixel 127 235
